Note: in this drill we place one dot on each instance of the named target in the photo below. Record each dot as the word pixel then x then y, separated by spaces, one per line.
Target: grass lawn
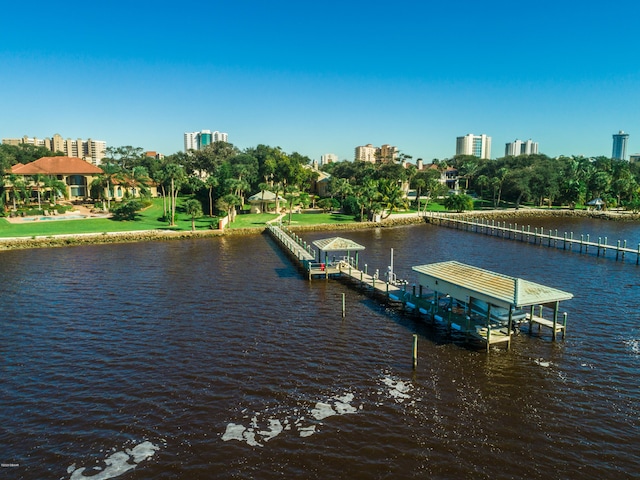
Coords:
pixel 252 220
pixel 149 219
pixel 303 219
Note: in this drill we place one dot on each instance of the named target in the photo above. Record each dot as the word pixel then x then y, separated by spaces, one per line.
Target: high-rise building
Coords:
pixel 369 153
pixel 199 140
pixel 476 145
pixel 366 153
pixel 328 158
pixel 92 151
pixel 619 151
pixel 518 147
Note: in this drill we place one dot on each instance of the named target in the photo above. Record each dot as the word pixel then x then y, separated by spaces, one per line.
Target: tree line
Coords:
pixel 221 177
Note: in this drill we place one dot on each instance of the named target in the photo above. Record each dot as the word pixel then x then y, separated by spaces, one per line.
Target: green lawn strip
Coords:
pixel 148 219
pixel 252 220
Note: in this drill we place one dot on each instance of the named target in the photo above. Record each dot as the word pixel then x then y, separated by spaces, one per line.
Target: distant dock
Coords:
pixel 538 236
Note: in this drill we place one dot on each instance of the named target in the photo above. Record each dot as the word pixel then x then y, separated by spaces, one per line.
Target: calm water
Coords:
pixel 214 358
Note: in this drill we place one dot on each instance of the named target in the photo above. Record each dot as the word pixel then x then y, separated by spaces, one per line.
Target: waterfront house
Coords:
pixel 75 173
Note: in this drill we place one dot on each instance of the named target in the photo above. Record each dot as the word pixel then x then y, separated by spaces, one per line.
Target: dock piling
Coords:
pixel 415 351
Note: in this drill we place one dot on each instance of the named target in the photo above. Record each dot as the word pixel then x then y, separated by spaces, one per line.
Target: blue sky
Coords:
pixel 324 77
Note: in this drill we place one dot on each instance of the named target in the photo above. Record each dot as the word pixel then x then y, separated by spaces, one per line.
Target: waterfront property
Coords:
pixel 75 173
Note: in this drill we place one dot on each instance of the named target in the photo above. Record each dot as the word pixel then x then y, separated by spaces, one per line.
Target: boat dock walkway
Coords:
pixel 434 307
pixel 537 236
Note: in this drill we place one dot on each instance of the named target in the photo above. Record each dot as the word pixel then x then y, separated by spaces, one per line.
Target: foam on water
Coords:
pixel 256 436
pixel 117 463
pixel 398 390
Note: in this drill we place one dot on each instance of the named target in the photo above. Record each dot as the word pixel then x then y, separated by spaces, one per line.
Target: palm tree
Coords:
pixel 138 181
pixel 104 182
pixel 37 180
pixel 193 209
pixel 291 195
pixel 55 187
pixel 175 175
pixel 211 182
pixel 227 203
pixel 393 197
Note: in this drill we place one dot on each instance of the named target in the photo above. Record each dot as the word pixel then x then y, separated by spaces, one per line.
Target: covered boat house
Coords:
pixel 483 305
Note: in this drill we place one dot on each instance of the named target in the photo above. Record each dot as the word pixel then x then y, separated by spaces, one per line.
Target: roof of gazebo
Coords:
pixel 337 244
pixel 264 196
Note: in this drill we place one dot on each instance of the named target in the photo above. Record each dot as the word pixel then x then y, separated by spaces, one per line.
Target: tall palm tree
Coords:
pixel 176 176
pixel 211 182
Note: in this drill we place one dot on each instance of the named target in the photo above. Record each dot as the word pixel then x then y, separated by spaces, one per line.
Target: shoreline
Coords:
pixel 399 219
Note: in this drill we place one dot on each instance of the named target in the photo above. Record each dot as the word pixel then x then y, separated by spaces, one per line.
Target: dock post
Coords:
pixel 571 241
pixel 415 351
pixel 599 241
pixel 624 249
pixel 618 250
pixel 586 246
pixel 604 249
pixel 638 256
pixel 343 305
pixel 564 324
pixel 581 241
pixel 531 318
pixel 420 290
pixel 555 320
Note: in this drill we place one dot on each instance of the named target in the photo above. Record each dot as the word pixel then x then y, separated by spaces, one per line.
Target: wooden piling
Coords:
pixel 415 351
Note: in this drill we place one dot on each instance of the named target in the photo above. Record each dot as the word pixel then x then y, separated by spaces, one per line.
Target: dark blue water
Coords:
pixel 215 358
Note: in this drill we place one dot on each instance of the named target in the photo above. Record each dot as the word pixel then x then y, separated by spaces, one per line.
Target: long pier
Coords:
pixel 537 236
pixel 436 309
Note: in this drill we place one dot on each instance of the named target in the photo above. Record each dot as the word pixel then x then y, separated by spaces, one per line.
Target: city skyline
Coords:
pixel 299 77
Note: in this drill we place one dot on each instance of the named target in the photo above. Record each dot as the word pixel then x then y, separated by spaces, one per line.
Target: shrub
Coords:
pixel 126 210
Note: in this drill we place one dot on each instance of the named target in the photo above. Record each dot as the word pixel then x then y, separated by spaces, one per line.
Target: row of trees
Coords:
pixel 540 180
pixel 222 176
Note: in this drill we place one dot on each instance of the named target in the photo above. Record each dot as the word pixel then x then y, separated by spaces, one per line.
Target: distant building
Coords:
pixel 387 154
pixel 634 158
pixel 92 151
pixel 476 145
pixel 369 153
pixel 328 158
pixel 619 151
pixel 152 154
pixel 199 140
pixel 518 147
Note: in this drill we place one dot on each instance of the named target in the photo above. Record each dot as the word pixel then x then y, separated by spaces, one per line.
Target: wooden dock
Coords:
pixel 429 306
pixel 538 236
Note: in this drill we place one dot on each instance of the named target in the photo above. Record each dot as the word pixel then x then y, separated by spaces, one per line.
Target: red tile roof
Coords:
pixel 56 166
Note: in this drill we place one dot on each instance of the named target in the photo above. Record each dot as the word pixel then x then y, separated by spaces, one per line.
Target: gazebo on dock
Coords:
pixel 338 244
pixel 470 286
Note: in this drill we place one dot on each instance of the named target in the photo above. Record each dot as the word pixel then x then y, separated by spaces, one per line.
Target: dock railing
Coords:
pixel 537 236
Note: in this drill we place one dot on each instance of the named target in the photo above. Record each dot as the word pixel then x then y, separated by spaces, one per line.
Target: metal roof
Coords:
pixel 480 283
pixel 337 244
pixel 264 196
